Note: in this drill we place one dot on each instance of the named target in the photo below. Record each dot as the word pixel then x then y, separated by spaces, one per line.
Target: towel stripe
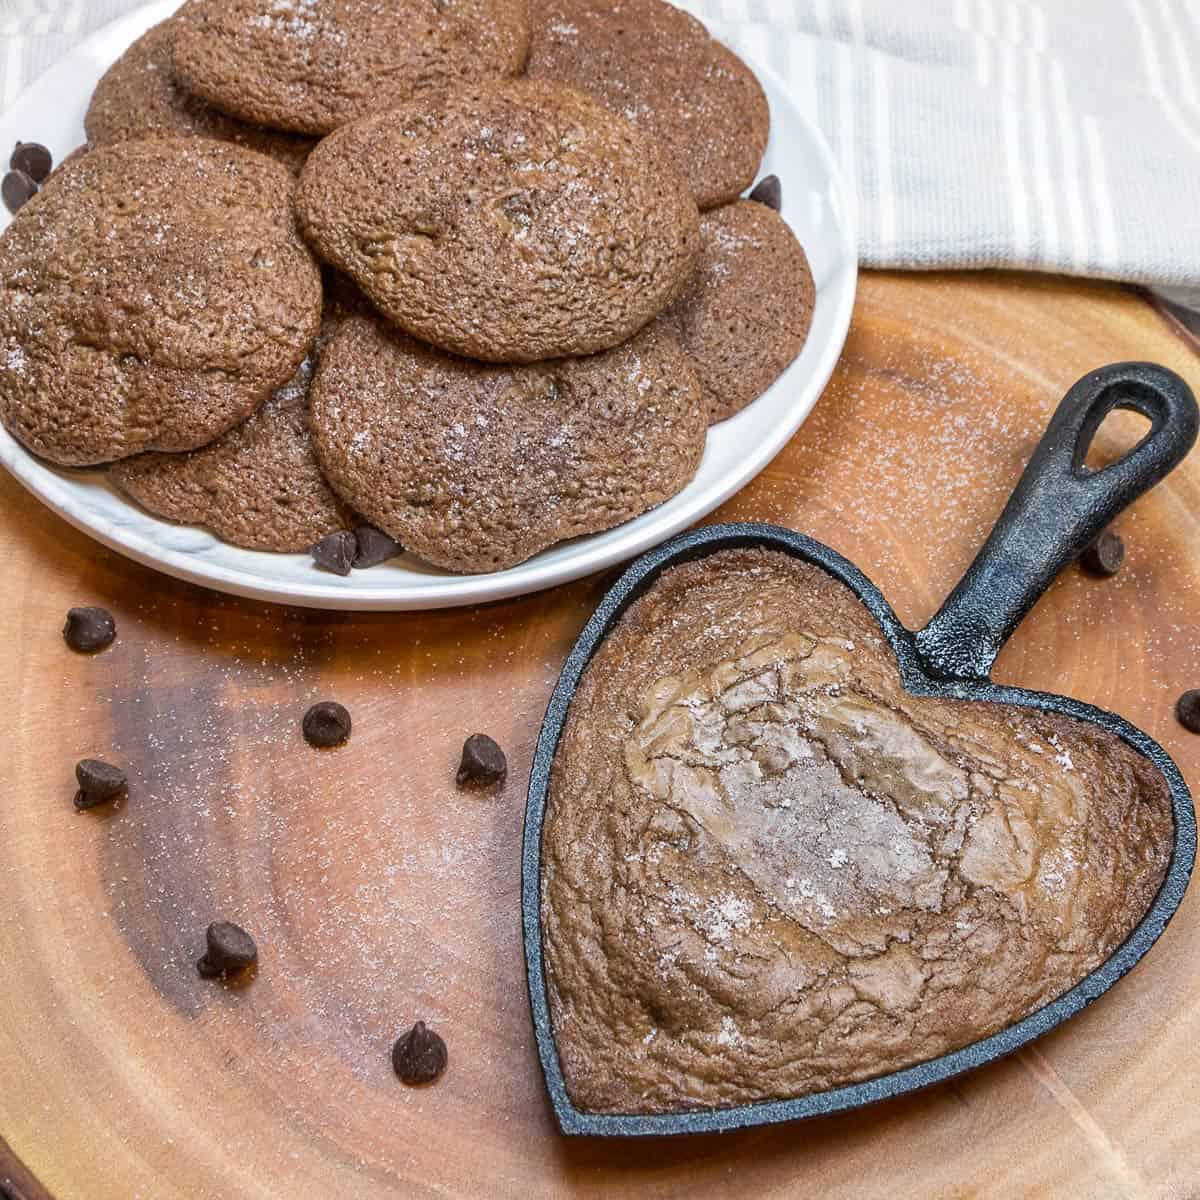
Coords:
pixel 1011 124
pixel 1012 24
pixel 844 75
pixel 1038 16
pixel 1068 140
pixel 987 17
pixel 1108 258
pixel 1047 251
pixel 14 74
pixel 979 43
pixel 74 18
pixel 883 155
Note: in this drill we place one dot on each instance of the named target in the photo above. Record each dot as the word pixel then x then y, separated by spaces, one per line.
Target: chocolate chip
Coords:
pixel 99 782
pixel 482 761
pixel 336 551
pixel 89 629
pixel 768 191
pixel 1187 709
pixel 32 158
pixel 230 950
pixel 374 547
pixel 17 189
pixel 419 1056
pixel 1104 556
pixel 326 724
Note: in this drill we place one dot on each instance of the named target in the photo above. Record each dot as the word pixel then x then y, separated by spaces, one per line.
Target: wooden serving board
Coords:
pixel 380 894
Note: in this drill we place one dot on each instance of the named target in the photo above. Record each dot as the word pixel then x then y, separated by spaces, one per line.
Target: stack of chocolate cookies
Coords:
pixel 474 273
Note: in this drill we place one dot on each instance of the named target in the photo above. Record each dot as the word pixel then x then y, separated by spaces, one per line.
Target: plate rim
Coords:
pixel 51 486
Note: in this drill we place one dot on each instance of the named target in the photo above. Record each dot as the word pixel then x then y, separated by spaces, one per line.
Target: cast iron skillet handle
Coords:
pixel 1060 505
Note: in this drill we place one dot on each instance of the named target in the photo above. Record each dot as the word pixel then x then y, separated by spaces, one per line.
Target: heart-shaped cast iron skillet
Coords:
pixel 1057 509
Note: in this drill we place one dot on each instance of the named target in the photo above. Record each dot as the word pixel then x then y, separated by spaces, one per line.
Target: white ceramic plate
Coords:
pixel 814 204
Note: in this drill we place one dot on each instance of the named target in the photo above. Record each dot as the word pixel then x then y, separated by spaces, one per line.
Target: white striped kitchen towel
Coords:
pixel 1057 136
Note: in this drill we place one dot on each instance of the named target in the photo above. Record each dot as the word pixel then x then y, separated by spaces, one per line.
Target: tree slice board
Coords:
pixel 381 894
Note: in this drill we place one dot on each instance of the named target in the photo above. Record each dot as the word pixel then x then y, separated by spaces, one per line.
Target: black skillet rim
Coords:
pixel 708 540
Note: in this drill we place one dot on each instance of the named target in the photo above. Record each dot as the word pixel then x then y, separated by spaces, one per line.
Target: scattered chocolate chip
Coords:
pixel 1187 709
pixel 482 761
pixel 326 724
pixel 374 547
pixel 230 951
pixel 419 1056
pixel 32 158
pixel 89 629
pixel 17 189
pixel 1104 556
pixel 99 782
pixel 768 191
pixel 336 552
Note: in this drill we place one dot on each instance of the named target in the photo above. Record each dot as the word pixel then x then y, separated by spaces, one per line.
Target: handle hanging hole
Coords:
pixel 1120 433
pixel 1124 393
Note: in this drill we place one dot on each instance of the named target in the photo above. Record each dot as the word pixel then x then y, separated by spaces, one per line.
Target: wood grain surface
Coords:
pixel 380 894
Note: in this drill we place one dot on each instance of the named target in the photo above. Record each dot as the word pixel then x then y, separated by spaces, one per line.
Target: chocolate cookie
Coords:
pixel 259 486
pixel 745 313
pixel 768 870
pixel 510 222
pixel 475 468
pixel 312 65
pixel 139 97
pixel 152 295
pixel 73 157
pixel 658 66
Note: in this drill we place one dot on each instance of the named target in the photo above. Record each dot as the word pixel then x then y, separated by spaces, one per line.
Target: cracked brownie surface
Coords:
pixel 768 871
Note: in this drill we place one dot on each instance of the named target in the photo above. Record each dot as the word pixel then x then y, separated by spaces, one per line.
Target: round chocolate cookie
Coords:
pixel 658 66
pixel 509 222
pixel 259 486
pixel 475 468
pixel 139 97
pixel 745 313
pixel 312 65
pixel 152 295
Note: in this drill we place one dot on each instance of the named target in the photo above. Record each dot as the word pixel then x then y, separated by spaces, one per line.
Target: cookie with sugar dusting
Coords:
pixel 746 312
pixel 312 65
pixel 259 486
pixel 475 468
pixel 139 96
pixel 658 66
pixel 508 222
pixel 152 295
